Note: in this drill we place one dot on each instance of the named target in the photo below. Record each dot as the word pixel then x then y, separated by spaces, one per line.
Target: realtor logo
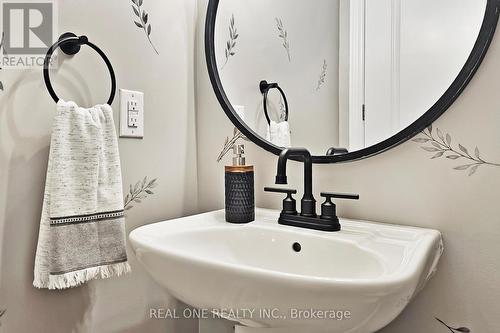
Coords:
pixel 28 30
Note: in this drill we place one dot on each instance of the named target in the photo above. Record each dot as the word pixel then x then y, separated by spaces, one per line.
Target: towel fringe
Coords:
pixel 76 278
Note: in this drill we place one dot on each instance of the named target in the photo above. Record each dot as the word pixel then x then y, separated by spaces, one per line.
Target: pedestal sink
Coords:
pixel 281 278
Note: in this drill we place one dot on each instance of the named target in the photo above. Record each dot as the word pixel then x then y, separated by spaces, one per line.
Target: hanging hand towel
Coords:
pixel 279 134
pixel 82 232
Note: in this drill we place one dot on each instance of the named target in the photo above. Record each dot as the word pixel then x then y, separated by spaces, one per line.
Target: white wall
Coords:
pixel 168 152
pixel 404 186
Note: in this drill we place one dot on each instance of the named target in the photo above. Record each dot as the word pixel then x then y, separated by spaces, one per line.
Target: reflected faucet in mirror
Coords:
pixel 336 151
pixel 328 220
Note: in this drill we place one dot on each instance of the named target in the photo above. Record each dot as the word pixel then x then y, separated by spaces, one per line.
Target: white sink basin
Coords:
pixel 360 278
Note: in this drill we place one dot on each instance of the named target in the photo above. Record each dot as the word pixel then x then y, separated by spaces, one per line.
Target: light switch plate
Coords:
pixel 131 114
pixel 240 111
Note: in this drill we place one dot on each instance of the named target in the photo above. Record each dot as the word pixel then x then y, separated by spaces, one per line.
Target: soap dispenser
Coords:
pixel 239 179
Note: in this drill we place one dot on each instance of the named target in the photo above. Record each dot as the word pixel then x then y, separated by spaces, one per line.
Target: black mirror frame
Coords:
pixel 451 94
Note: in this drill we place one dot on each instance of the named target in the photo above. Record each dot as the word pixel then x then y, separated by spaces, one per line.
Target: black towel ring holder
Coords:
pixel 70 45
pixel 264 87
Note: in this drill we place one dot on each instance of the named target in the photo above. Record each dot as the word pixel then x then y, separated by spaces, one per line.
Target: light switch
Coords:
pixel 131 114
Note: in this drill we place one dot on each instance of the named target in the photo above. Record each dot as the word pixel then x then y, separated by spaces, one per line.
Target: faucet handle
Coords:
pixel 289 203
pixel 280 190
pixel 328 208
pixel 330 195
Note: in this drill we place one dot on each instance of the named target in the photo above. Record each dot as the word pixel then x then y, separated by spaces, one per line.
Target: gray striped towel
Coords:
pixel 82 232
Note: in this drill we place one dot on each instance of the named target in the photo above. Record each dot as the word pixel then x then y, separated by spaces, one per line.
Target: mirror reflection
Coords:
pixel 340 75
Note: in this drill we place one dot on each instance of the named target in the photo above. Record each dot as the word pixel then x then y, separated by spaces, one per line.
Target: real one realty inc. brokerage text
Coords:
pixel 273 313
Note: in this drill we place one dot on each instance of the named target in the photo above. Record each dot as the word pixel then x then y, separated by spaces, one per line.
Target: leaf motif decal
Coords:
pixel 2 312
pixel 476 152
pixel 473 170
pixel 463 149
pixel 453 157
pixel 420 140
pixel 229 143
pixel 140 191
pixel 430 149
pixel 231 42
pixel 453 329
pixel 437 145
pixel 322 76
pixel 440 134
pixel 438 154
pixel 5 53
pixel 142 22
pixel 442 146
pixel 136 11
pixel 283 34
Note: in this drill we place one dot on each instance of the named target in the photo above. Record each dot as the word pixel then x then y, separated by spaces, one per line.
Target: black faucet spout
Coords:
pixel 308 202
pixel 328 221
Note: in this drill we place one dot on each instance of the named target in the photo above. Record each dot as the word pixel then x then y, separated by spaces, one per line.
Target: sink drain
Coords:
pixel 296 247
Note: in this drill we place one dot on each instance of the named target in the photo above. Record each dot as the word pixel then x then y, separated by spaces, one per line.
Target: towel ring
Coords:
pixel 264 89
pixel 70 44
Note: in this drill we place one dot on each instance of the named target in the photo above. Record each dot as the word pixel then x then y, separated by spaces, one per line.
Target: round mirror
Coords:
pixel 345 79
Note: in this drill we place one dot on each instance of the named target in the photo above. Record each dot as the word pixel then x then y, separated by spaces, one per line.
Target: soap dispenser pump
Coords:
pixel 239 180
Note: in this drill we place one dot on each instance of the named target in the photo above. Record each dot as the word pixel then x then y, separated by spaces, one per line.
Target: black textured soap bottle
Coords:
pixel 240 201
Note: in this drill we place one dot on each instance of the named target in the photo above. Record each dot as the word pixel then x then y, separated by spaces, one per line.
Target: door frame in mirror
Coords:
pixel 475 59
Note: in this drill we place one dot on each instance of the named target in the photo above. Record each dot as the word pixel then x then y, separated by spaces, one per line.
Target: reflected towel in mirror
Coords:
pixel 279 134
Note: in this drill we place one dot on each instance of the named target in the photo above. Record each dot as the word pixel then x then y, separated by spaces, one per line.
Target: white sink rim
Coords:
pixel 406 271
